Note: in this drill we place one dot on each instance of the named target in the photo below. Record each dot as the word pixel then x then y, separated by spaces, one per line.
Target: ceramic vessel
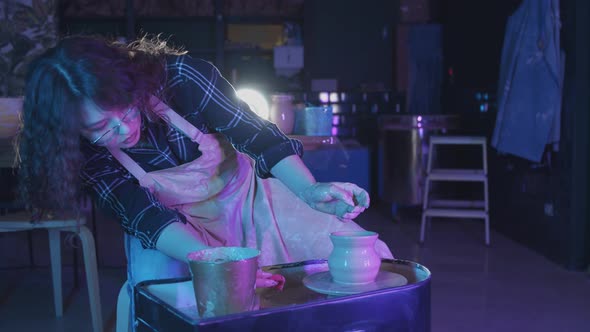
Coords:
pixel 354 259
pixel 282 112
pixel 314 121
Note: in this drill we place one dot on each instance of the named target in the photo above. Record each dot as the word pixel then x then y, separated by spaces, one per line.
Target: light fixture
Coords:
pixel 256 101
pixel 333 97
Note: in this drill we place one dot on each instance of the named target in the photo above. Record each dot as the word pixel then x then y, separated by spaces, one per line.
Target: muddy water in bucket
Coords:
pixel 224 280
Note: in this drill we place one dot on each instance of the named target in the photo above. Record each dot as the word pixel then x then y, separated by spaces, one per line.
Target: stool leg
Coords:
pixel 430 156
pixel 424 207
pixel 425 196
pixel 91 277
pixel 486 195
pixel 487 225
pixel 485 188
pixel 485 157
pixel 423 227
pixel 123 309
pixel 55 256
pixel 487 221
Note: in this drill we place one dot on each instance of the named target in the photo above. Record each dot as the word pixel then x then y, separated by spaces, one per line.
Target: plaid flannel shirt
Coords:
pixel 197 91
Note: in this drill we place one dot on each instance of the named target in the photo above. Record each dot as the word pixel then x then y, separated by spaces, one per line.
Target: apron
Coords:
pixel 530 82
pixel 228 205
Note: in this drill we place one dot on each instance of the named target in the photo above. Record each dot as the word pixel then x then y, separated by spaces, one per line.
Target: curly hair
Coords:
pixel 111 74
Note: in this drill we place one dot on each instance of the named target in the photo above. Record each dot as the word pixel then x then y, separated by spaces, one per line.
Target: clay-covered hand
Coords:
pixel 342 199
pixel 267 280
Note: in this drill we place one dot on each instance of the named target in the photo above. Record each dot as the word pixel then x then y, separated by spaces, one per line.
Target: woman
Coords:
pixel 164 145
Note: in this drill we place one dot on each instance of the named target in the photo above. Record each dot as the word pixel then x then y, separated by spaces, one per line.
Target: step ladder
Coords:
pixel 473 209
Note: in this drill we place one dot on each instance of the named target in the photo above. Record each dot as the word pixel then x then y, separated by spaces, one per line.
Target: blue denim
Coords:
pixel 148 264
pixel 531 80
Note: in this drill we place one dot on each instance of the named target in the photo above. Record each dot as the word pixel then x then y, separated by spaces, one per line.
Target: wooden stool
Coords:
pixel 21 221
pixel 456 208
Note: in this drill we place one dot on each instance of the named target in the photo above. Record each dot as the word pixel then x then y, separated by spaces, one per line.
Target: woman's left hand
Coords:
pixel 268 280
pixel 342 199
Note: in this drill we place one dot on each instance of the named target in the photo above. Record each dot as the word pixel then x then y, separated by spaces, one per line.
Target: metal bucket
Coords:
pixel 224 280
pixel 314 121
pixel 404 153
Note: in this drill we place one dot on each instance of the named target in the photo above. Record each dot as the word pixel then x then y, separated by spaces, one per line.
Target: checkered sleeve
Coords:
pixel 118 193
pixel 209 101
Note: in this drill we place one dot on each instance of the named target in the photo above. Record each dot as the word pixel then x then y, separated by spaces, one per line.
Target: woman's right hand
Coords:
pixel 342 199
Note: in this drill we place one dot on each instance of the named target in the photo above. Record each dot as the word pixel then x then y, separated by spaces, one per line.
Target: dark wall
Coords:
pixel 541 205
pixel 473 33
pixel 575 233
pixel 544 205
pixel 350 41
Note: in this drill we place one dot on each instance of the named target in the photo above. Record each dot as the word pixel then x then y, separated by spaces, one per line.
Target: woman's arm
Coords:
pixel 140 214
pixel 345 200
pixel 135 208
pixel 178 240
pixel 203 96
pixel 294 174
pixel 207 100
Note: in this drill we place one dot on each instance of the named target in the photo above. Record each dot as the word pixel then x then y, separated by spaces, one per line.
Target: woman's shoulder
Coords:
pixel 93 154
pixel 182 65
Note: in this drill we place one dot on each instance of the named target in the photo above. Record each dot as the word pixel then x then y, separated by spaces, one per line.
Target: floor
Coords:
pixel 504 287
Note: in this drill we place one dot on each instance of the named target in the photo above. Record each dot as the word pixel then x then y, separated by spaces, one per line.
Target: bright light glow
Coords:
pixel 419 118
pixel 336 109
pixel 335 120
pixel 334 97
pixel 324 97
pixel 256 101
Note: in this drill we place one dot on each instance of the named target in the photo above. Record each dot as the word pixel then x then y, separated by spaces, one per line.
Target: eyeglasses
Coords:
pixel 111 132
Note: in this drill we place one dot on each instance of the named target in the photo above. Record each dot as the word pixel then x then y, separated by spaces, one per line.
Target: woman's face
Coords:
pixel 116 127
